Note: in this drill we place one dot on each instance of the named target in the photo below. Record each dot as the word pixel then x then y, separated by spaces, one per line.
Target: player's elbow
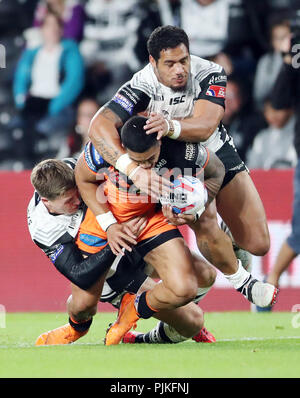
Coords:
pixel 210 125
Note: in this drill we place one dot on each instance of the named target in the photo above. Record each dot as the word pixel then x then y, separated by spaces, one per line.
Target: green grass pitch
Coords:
pixel 249 345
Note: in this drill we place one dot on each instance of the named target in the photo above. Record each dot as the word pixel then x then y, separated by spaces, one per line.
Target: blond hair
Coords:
pixel 51 178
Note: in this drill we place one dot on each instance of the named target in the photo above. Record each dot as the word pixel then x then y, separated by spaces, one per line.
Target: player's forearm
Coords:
pixel 197 129
pixel 83 272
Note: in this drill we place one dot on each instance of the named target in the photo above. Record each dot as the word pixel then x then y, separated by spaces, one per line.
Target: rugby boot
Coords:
pixel 262 309
pixel 127 318
pixel 204 336
pixel 130 337
pixel 259 293
pixel 62 335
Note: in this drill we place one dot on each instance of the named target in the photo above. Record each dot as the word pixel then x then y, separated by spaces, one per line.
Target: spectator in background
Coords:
pixel 205 22
pixel 273 146
pixel 47 81
pixel 286 97
pixel 240 119
pixel 71 13
pixel 269 65
pixel 78 136
pixel 224 31
pixel 109 44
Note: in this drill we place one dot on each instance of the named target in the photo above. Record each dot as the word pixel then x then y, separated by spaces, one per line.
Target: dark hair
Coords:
pixel 165 37
pixel 54 14
pixel 134 137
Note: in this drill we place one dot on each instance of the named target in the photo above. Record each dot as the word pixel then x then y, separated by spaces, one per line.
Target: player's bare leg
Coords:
pixel 217 247
pixel 82 306
pixel 184 322
pixel 173 262
pixel 213 243
pixel 241 208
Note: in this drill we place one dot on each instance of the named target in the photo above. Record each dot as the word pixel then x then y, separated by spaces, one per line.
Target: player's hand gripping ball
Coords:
pixel 188 196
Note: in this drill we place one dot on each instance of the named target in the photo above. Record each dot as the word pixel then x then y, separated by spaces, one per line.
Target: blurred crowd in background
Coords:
pixel 66 58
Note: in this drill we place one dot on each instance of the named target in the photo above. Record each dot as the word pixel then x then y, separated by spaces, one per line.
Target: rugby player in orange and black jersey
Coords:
pixel 55 234
pixel 176 158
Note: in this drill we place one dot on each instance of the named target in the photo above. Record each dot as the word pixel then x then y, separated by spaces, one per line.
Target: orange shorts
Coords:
pixel 91 238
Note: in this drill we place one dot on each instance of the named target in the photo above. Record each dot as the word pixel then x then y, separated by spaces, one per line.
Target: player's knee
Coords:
pixel 185 290
pixel 207 227
pixel 209 276
pixel 258 247
pixel 81 308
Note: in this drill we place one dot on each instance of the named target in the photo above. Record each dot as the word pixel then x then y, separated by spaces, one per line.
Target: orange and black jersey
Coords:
pixel 176 158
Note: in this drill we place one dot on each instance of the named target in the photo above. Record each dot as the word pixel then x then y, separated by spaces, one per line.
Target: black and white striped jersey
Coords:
pixel 144 93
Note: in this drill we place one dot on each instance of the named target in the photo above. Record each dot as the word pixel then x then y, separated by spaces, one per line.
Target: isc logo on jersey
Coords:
pixel 216 91
pixel 177 100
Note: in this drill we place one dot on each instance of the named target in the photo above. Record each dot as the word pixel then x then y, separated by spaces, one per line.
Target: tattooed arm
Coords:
pixel 104 135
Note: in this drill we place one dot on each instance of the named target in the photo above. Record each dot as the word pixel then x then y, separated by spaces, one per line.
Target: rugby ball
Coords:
pixel 188 196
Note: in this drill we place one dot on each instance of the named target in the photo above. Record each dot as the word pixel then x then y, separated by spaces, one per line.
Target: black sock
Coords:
pixel 157 335
pixel 143 309
pixel 140 338
pixel 80 326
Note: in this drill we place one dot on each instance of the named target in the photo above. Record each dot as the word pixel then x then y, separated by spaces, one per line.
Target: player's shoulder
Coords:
pixel 93 158
pixel 201 68
pixel 71 162
pixel 144 80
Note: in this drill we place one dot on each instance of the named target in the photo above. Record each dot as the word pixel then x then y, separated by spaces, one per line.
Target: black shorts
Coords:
pixel 129 270
pixel 145 246
pixel 128 277
pixel 232 162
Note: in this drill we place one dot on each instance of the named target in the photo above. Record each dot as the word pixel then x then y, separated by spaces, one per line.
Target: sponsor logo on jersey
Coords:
pixel 97 157
pixel 88 157
pixel 92 240
pixel 74 218
pixel 160 164
pixel 217 79
pixel 177 100
pixel 190 151
pixel 124 102
pixel 54 256
pixel 216 91
pixel 130 93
